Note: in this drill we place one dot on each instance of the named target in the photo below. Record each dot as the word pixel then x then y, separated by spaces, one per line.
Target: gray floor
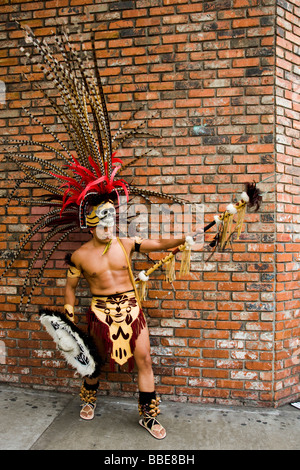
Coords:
pixel 38 420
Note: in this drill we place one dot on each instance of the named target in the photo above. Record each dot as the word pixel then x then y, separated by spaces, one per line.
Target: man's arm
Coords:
pixel 70 298
pixel 148 245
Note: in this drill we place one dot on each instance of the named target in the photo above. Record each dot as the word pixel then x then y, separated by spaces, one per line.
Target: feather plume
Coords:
pixel 254 194
pixel 71 179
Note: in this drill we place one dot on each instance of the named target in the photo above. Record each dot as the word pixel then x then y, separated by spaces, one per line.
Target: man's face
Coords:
pixel 102 220
pixel 104 233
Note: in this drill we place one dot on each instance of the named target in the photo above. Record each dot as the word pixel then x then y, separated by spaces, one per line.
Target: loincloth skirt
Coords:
pixel 117 321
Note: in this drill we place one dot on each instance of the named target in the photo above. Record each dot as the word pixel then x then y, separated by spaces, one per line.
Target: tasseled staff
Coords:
pixel 249 198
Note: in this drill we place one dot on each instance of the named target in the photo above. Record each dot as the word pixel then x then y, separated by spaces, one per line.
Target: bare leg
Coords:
pixel 143 361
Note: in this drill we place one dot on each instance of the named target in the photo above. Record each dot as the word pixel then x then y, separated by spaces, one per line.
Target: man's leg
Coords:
pixel 88 391
pixel 148 402
pixel 144 363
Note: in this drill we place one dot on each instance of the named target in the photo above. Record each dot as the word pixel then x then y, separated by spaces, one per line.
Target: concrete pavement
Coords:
pixel 43 420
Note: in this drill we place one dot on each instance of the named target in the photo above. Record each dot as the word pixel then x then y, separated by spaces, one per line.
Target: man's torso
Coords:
pixel 106 273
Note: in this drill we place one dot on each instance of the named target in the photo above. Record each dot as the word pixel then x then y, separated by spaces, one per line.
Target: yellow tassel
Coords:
pixel 185 262
pixel 240 220
pixel 224 230
pixel 143 289
pixel 107 247
pixel 170 270
pixel 229 225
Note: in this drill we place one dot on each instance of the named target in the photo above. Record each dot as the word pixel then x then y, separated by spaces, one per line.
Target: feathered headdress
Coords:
pixel 90 174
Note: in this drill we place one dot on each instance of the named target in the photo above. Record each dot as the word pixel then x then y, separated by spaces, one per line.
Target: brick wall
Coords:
pixel 287 343
pixel 207 72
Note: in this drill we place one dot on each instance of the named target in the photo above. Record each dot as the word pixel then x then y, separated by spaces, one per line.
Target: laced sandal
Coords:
pixel 149 413
pixel 153 426
pixel 88 411
pixel 88 397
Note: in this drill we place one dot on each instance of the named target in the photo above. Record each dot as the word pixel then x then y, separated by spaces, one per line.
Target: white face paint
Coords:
pixel 102 219
pixel 104 233
pixel 106 214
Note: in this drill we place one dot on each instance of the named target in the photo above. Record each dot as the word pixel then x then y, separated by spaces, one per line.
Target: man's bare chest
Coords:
pixel 95 264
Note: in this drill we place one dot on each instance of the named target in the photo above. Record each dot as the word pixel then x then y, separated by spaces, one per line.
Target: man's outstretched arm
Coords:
pixel 149 245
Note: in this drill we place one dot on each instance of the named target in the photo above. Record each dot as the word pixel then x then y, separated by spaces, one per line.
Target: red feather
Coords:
pixel 77 191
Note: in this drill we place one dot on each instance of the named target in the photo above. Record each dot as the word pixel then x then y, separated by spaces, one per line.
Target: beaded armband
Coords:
pixel 137 244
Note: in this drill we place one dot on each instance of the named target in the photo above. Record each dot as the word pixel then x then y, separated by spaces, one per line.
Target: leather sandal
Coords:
pixel 88 411
pixel 149 412
pixel 153 426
